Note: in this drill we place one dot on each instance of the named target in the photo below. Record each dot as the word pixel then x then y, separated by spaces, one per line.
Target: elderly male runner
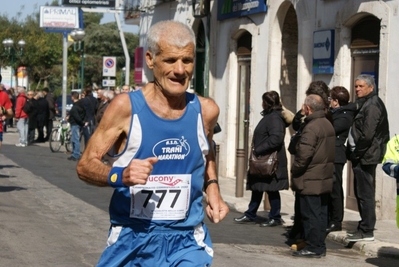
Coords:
pixel 161 136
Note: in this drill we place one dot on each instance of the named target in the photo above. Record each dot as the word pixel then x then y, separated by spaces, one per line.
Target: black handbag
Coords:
pixel 265 165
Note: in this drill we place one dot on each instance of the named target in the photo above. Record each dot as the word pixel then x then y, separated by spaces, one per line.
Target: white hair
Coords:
pixel 20 89
pixel 173 32
pixel 108 95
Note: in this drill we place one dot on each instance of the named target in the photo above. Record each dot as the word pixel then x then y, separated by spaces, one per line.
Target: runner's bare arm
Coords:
pixel 216 209
pixel 10 113
pixel 113 129
pixel 7 113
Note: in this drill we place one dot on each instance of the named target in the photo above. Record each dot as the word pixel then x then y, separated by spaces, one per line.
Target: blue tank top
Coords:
pixel 173 194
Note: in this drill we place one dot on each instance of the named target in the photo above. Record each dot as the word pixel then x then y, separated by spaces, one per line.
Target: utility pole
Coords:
pixel 121 34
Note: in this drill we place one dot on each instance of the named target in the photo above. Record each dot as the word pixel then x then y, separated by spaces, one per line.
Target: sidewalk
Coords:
pixel 386 243
pixel 42 225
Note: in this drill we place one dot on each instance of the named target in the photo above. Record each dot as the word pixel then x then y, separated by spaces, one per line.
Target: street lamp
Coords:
pixel 78 35
pixel 12 53
pixel 123 73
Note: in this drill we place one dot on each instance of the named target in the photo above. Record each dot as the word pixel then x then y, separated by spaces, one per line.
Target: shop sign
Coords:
pixel 89 3
pixel 323 52
pixel 239 8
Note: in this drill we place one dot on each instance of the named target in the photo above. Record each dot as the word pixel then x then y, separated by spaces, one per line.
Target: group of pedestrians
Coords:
pixel 85 116
pixel 32 111
pixel 329 131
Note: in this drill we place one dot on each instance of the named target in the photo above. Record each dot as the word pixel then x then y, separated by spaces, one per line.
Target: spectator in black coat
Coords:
pixel 367 141
pixel 342 114
pixel 42 116
pixel 32 115
pixel 268 137
pixel 89 103
pixel 51 112
pixel 76 119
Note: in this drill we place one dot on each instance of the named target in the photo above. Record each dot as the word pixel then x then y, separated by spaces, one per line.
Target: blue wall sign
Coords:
pixel 238 8
pixel 323 52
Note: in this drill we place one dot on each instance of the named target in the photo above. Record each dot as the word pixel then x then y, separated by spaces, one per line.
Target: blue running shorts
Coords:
pixel 160 247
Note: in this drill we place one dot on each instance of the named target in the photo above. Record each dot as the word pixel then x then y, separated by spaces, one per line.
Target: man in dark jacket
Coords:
pixel 312 175
pixel 366 148
pixel 342 114
pixel 76 119
pixel 89 103
pixel 42 116
pixel 32 114
pixel 51 112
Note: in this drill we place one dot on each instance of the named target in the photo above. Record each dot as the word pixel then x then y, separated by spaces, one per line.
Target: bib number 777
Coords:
pixel 164 197
pixel 163 193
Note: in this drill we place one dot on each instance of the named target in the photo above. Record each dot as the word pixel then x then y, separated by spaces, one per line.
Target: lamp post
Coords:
pixel 123 73
pixel 12 53
pixel 78 35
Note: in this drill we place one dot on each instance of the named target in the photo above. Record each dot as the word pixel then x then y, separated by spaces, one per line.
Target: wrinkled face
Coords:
pixel 362 89
pixel 172 67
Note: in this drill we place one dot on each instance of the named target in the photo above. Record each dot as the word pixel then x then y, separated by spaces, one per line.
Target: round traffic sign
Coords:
pixel 109 63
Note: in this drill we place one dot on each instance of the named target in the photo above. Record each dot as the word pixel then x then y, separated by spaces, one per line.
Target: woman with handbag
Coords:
pixel 268 137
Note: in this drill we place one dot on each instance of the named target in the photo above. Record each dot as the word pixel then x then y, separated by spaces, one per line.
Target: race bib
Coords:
pixel 164 197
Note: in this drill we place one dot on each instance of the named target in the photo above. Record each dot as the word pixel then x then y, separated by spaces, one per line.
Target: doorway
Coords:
pixel 200 85
pixel 244 45
pixel 365 58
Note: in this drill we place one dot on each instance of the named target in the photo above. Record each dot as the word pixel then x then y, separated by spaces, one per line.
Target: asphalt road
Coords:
pixel 235 245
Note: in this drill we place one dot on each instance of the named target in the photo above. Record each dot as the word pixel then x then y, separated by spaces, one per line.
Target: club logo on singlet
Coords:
pixel 172 149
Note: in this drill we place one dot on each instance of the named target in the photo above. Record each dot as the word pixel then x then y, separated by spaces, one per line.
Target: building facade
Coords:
pixel 247 47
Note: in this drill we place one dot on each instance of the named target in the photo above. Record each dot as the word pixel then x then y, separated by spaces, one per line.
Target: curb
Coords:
pixel 368 248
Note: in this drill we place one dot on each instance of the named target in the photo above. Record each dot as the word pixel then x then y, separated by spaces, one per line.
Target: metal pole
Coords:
pixel 206 69
pixel 126 52
pixel 12 63
pixel 82 67
pixel 12 74
pixel 122 36
pixel 64 72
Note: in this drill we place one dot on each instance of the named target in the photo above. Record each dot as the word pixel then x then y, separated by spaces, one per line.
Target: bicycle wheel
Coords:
pixel 82 143
pixel 55 140
pixel 68 142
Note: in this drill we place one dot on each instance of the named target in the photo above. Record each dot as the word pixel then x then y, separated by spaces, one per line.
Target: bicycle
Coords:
pixel 60 136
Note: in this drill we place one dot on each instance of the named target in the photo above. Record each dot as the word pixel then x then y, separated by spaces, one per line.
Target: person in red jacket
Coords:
pixel 21 117
pixel 5 109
